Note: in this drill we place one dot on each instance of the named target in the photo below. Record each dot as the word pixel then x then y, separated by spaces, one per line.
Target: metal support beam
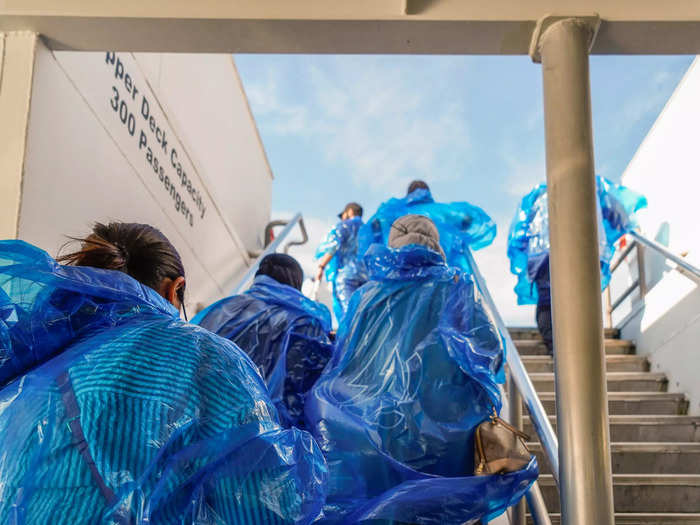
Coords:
pixel 582 406
pixel 515 408
pixel 17 53
pixel 360 26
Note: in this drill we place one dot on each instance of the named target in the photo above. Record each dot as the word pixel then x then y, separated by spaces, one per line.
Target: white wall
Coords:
pixel 666 168
pixel 220 131
pixel 83 164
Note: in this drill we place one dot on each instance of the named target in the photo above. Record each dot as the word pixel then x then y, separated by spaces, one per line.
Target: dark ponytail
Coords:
pixel 138 250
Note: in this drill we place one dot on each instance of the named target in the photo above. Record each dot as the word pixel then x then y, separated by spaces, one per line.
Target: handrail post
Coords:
pixel 692 271
pixel 538 510
pixel 586 490
pixel 515 409
pixel 641 272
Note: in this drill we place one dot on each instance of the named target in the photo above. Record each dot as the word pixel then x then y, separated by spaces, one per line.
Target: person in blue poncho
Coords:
pixel 528 244
pixel 338 259
pixel 283 332
pixel 462 226
pixel 113 410
pixel 415 370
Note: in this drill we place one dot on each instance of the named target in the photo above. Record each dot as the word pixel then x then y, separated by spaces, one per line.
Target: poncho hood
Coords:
pixel 44 306
pixel 462 226
pixel 407 263
pixel 272 292
pixel 418 196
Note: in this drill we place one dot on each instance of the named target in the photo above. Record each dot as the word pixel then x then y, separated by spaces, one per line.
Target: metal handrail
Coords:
pixel 520 378
pixel 272 224
pixel 641 243
pixel 269 248
pixel 272 248
pixel 666 253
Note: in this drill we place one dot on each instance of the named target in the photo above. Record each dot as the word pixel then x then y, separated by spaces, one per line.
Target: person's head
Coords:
pixel 415 229
pixel 282 268
pixel 352 209
pixel 417 185
pixel 138 250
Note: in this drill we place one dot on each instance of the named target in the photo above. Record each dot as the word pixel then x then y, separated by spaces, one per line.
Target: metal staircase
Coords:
pixel 655 445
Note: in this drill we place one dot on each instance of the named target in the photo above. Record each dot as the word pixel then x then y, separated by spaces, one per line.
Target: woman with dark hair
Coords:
pixel 113 410
pixel 283 332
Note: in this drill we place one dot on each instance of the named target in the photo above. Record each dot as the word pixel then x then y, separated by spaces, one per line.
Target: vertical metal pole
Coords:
pixel 641 272
pixel 538 510
pixel 515 406
pixel 582 404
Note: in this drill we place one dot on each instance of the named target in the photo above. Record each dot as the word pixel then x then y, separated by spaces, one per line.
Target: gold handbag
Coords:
pixel 499 448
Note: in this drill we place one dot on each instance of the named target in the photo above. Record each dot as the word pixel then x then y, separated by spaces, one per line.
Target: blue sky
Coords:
pixel 340 128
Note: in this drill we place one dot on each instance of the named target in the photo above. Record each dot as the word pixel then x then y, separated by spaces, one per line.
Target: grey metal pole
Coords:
pixel 582 405
pixel 538 510
pixel 515 408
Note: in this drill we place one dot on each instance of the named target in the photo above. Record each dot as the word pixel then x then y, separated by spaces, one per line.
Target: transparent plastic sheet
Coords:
pixel 112 410
pixel 528 239
pixel 284 333
pixel 345 272
pixel 415 369
pixel 461 225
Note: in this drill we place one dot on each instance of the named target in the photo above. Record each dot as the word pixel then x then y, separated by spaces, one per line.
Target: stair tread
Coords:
pixel 651 376
pixel 641 396
pixel 637 518
pixel 609 357
pixel 641 419
pixel 608 342
pixel 642 446
pixel 532 331
pixel 681 480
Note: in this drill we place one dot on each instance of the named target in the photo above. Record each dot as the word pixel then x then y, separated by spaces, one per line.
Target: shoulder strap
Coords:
pixel 65 387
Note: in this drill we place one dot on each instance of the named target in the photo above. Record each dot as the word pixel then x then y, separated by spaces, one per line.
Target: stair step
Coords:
pixel 614 363
pixel 642 428
pixel 617 381
pixel 653 403
pixel 535 347
pixel 530 332
pixel 642 492
pixel 642 518
pixel 644 458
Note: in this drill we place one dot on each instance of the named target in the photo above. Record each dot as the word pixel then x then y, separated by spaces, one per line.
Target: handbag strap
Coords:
pixel 65 387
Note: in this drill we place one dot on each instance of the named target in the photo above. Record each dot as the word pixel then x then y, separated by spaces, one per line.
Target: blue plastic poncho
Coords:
pixel 414 371
pixel 283 332
pixel 345 272
pixel 112 410
pixel 528 240
pixel 461 225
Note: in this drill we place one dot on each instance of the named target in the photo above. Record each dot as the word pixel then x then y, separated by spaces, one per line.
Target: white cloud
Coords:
pixel 368 120
pixel 524 174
